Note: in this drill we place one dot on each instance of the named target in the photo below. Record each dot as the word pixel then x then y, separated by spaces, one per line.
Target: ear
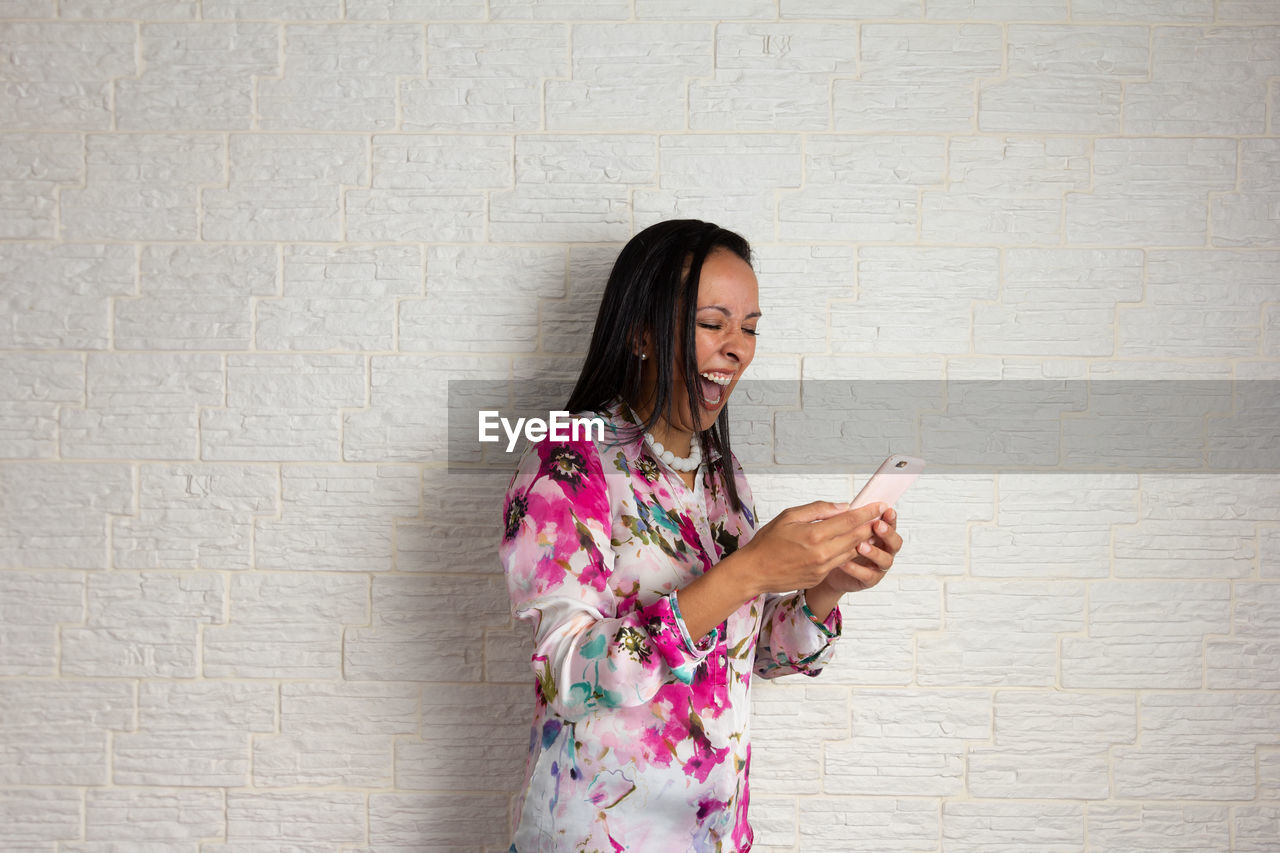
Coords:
pixel 642 343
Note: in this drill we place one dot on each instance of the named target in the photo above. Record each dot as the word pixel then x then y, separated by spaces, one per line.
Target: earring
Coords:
pixel 643 356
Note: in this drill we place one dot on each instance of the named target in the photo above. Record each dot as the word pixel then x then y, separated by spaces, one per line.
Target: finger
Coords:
pixel 868 576
pixel 889 538
pixel 881 558
pixel 816 511
pixel 847 523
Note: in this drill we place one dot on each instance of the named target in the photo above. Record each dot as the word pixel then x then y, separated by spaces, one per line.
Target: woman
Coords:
pixel 653 597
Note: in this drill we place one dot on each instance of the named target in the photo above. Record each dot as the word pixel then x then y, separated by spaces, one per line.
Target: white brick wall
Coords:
pixel 244 245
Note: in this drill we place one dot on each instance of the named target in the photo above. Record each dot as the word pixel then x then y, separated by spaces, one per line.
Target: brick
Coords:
pixel 290 10
pixel 883 628
pixel 54 515
pixel 32 168
pixel 198 76
pixel 900 291
pixel 459 525
pixel 285 187
pixel 56 732
pixel 1046 719
pixel 825 273
pixel 65 52
pixel 1158 827
pixel 716 10
pixel 142 625
pixel 1158 609
pixel 508 653
pixel 1196 746
pixel 1209 300
pixel 1075 51
pixel 322 760
pixel 142 405
pixel 1038 283
pixel 996 10
pixel 1269 553
pixel 1204 82
pixel 402 421
pixel 629 76
pixel 572 189
pixel 414 10
pixel 285 626
pixel 1146 11
pixel 838 9
pixel 31 606
pixel 930 51
pixel 124 816
pixel 1003 827
pixel 486 76
pixel 974 217
pixel 1255 828
pixel 888 755
pixel 340 77
pixel 773 820
pixel 58 296
pixel 501 10
pixel 1049 104
pixel 1246 660
pixel 1054 525
pixel 1173 549
pixel 294 820
pixel 326 323
pixel 1151 191
pixel 336 518
pixel 493 291
pixel 456 744
pixel 1268 773
pixel 141 186
pixel 415 216
pixel 195 297
pixel 165 10
pixel 398 646
pixel 453 162
pixel 281 407
pixel 923 105
pixel 32 390
pixel 1131 663
pixel 1060 772
pixel 785 755
pixel 382 709
pixel 749 214
pixel 352 270
pixel 1246 11
pixel 994 658
pixel 206 706
pixel 861 188
pixel 1244 218
pixel 34 819
pixel 895 826
pixel 773 76
pixel 404 823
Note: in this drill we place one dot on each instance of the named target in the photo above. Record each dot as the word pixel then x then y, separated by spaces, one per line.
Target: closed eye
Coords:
pixel 716 327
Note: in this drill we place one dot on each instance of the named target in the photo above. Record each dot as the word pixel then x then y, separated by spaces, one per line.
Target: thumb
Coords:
pixel 817 510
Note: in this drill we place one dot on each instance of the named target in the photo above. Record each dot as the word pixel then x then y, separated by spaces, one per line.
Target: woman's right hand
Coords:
pixel 803 544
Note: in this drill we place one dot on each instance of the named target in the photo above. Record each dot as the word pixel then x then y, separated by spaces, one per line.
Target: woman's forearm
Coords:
pixel 821 600
pixel 714 596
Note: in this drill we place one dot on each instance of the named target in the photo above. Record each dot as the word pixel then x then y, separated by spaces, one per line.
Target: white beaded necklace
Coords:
pixel 679 463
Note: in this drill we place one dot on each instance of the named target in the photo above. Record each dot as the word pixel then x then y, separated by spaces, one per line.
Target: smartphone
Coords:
pixel 889 481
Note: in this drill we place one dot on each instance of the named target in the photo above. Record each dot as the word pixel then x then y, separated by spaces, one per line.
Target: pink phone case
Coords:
pixel 889 481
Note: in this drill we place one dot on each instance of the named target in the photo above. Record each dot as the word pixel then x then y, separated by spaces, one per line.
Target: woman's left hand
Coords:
pixel 875 557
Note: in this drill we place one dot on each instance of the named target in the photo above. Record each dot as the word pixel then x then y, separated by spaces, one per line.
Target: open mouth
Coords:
pixel 714 385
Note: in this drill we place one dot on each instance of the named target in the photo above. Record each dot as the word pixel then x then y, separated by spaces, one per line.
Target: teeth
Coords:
pixel 718 378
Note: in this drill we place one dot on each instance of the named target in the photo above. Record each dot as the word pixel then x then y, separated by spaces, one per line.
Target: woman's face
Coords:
pixel 725 334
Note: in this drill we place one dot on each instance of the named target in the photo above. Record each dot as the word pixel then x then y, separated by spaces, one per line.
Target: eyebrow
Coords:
pixel 727 312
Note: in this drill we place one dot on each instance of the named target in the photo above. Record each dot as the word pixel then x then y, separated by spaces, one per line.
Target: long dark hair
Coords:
pixel 649 291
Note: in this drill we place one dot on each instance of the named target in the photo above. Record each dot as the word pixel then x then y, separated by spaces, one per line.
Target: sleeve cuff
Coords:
pixel 670 637
pixel 834 624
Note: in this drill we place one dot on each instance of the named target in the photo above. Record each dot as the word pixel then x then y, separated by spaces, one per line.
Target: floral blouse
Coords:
pixel 640 732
